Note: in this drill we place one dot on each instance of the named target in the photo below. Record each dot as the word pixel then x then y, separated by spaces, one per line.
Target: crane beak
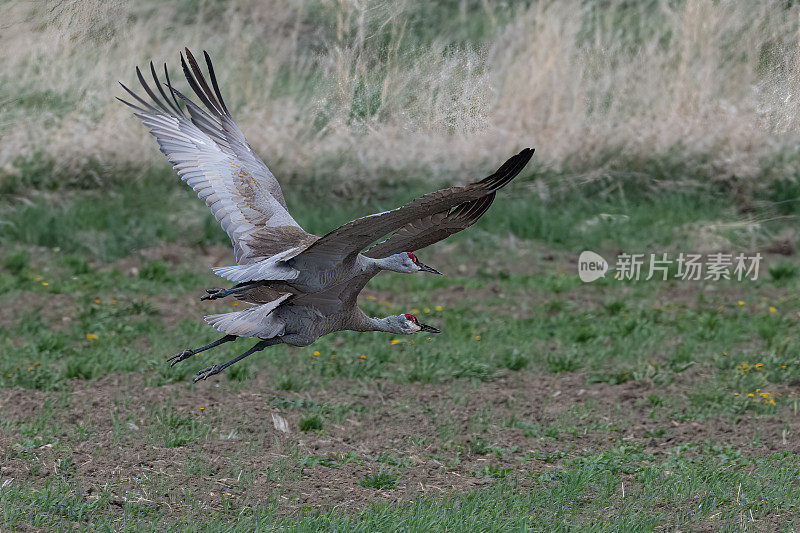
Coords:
pixel 426 327
pixel 425 268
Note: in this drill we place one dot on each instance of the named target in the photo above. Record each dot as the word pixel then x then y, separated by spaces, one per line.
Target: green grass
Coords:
pixel 144 207
pixel 713 488
pixel 310 423
pixel 84 308
pixel 114 327
pixel 381 480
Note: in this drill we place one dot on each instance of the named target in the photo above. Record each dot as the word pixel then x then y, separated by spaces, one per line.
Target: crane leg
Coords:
pixel 213 294
pixel 216 369
pixel 186 354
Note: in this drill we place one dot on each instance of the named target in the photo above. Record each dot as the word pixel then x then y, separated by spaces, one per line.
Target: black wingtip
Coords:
pixel 214 83
pixel 507 171
pixel 198 83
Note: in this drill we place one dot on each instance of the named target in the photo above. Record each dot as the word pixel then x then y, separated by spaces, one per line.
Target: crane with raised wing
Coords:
pixel 303 286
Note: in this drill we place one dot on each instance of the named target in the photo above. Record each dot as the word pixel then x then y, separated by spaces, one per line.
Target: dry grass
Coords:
pixel 359 88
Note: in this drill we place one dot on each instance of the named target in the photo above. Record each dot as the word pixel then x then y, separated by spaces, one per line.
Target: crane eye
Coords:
pixel 412 256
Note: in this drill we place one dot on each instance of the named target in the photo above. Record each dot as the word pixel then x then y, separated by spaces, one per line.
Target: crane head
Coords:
pixel 406 324
pixel 405 263
pixel 415 326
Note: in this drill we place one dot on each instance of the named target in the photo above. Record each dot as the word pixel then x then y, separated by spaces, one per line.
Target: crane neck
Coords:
pixel 385 263
pixel 380 324
pixel 368 323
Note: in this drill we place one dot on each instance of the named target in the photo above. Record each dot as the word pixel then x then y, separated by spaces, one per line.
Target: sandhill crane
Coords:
pixel 306 286
pixel 336 257
pixel 210 154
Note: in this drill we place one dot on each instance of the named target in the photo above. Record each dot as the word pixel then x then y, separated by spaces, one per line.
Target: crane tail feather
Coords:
pixel 257 321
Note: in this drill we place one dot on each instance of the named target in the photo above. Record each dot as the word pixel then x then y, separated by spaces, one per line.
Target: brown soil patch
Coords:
pixel 56 309
pixel 449 436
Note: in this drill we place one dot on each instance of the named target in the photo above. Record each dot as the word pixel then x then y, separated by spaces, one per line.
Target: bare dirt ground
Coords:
pixel 244 456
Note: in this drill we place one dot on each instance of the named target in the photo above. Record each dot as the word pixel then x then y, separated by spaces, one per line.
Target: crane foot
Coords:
pixel 178 357
pixel 213 294
pixel 207 373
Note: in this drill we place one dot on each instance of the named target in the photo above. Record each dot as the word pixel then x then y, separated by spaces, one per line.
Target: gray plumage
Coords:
pixel 303 286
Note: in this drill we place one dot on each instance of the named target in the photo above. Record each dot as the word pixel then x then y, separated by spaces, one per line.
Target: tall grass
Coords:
pixel 357 90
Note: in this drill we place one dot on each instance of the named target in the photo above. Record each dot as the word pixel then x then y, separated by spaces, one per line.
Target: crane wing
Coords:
pixel 360 233
pixel 413 236
pixel 210 153
pixel 431 229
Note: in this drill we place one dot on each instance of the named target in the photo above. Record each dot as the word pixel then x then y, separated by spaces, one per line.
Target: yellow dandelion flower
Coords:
pixel 477 337
pixel 90 336
pixel 362 356
pixel 736 394
pixel 429 339
pixel 45 284
pixel 764 394
pixel 750 395
pixel 97 300
pixel 30 368
pixel 316 352
pixel 724 353
pixel 438 307
pixel 772 310
pixel 758 390
pixel 771 402
pixel 202 408
pixel 415 311
pixel 741 302
pixel 783 367
pixel 759 365
pixel 427 309
pixel 395 341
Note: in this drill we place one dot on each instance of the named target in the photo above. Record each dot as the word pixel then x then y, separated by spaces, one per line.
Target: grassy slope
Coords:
pixel 531 315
